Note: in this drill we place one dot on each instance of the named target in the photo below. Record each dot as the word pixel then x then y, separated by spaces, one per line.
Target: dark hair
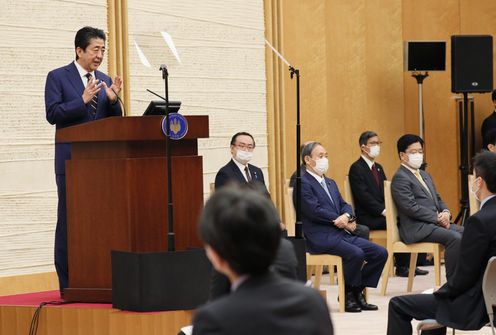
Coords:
pixel 242 226
pixel 493 95
pixel 485 167
pixel 307 150
pixel 366 135
pixel 84 36
pixel 406 140
pixel 235 136
pixel 490 137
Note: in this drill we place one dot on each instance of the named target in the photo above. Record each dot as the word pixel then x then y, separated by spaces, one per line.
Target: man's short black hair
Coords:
pixel 235 136
pixel 365 136
pixel 485 167
pixel 243 227
pixel 406 140
pixel 307 150
pixel 490 137
pixel 84 36
pixel 493 95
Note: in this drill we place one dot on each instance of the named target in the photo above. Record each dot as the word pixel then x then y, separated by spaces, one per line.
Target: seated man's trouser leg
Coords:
pixel 354 251
pixel 450 239
pixel 403 309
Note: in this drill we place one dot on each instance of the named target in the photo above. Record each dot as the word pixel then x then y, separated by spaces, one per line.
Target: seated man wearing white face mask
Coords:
pixel 423 216
pixel 326 224
pixel 238 170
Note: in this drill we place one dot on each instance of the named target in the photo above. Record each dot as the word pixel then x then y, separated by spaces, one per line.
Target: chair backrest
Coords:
pixel 289 211
pixel 348 195
pixel 212 188
pixel 489 289
pixel 391 214
pixel 473 203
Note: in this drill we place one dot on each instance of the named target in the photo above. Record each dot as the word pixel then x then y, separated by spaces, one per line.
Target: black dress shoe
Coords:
pixel 364 306
pixel 402 271
pixel 350 303
pixel 420 272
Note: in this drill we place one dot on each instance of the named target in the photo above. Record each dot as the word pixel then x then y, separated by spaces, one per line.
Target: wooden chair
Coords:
pixel 376 236
pixel 396 246
pixel 289 211
pixel 474 204
pixel 318 261
pixel 315 263
pixel 489 290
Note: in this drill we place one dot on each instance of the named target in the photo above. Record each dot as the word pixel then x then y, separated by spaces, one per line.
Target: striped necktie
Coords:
pixel 94 100
pixel 421 180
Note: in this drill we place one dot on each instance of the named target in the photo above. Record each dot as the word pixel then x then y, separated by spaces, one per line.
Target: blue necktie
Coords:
pixel 324 186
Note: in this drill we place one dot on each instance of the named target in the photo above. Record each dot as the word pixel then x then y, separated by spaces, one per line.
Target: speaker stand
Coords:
pixel 464 164
pixel 420 79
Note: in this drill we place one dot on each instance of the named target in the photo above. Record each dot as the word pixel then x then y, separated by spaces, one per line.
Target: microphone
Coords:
pixel 119 99
pixel 161 97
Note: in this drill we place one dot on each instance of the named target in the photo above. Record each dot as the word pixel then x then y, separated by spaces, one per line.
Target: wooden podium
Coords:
pixel 116 184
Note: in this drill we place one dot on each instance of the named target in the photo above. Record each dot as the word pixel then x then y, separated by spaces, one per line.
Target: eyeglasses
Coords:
pixel 245 147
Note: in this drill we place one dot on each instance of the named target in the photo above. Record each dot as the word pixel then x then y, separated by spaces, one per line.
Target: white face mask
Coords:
pixel 321 165
pixel 243 156
pixel 374 151
pixel 474 192
pixel 415 160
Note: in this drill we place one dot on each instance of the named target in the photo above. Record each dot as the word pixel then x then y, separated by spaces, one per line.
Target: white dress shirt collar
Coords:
pixel 237 283
pixel 487 199
pixel 368 161
pixel 316 176
pixel 414 171
pixel 83 72
pixel 242 168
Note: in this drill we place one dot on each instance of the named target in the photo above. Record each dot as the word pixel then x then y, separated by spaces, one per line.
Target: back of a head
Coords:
pixel 242 226
pixel 485 167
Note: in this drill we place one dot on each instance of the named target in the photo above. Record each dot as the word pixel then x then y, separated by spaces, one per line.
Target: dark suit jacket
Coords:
pixel 266 304
pixel 285 264
pixel 317 212
pixel 367 195
pixel 231 173
pixel 488 124
pixel 461 303
pixel 417 209
pixel 65 107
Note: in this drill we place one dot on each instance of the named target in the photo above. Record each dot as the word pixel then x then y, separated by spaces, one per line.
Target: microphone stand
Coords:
pixel 294 72
pixel 170 206
pixel 420 79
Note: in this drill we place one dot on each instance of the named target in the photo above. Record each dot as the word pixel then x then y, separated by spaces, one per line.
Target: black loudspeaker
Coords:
pixel 425 55
pixel 471 63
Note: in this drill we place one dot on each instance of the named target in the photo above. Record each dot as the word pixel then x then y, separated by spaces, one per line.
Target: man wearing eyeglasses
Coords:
pixel 423 216
pixel 238 170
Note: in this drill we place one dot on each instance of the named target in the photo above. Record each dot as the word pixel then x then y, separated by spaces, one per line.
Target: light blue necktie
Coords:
pixel 324 186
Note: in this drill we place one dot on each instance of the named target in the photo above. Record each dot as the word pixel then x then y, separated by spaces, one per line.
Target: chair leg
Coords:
pixel 341 292
pixel 411 272
pixel 318 276
pixel 331 274
pixel 310 271
pixel 385 273
pixel 437 266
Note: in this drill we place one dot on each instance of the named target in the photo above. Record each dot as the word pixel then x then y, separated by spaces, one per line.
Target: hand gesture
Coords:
pixel 443 219
pixel 91 90
pixel 341 221
pixel 113 90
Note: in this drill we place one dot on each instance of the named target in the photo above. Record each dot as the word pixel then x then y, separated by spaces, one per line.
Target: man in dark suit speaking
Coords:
pixel 75 94
pixel 459 303
pixel 238 170
pixel 241 231
pixel 423 216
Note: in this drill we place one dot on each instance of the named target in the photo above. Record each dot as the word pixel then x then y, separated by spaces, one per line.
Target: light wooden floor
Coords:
pixel 375 322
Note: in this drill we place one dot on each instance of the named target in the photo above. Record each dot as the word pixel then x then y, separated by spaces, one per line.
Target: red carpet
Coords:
pixel 36 298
